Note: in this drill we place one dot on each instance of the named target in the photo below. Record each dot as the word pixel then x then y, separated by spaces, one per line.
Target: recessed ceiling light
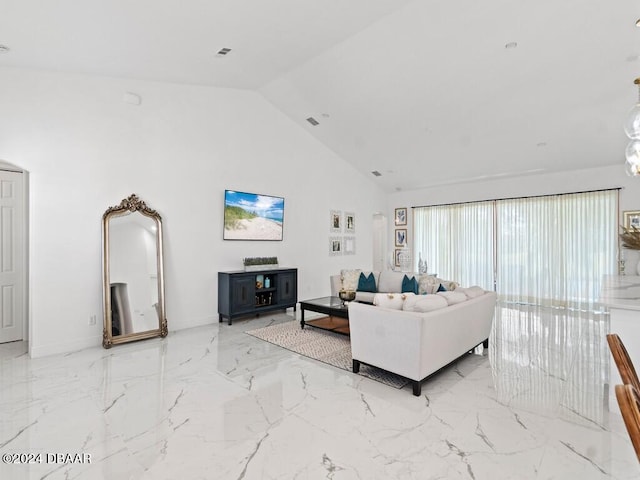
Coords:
pixel 633 58
pixel 313 121
pixel 541 144
pixel 511 45
pixel 376 173
pixel 325 115
pixel 4 49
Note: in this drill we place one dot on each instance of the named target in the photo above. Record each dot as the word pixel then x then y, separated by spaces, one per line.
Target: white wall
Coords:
pixel 86 150
pixel 544 184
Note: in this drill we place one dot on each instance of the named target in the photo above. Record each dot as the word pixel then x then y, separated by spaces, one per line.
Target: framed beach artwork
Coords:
pixel 349 222
pixel 631 219
pixel 335 221
pixel 401 237
pixel 251 216
pixel 401 216
pixel 335 246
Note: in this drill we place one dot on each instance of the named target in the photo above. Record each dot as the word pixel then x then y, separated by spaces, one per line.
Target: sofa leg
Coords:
pixel 356 366
pixel 417 388
pixel 485 344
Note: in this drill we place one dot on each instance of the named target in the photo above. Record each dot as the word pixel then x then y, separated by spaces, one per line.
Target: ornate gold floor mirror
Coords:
pixel 132 272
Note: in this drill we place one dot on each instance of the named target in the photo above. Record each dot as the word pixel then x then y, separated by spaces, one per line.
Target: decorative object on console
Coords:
pixel 250 216
pixel 349 222
pixel 401 216
pixel 335 221
pixel 632 129
pixel 252 264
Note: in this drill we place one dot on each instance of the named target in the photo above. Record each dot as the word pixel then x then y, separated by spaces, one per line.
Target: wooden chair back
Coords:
pixel 629 401
pixel 623 361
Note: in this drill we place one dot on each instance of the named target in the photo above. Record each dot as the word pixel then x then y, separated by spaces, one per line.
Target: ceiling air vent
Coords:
pixel 222 52
pixel 313 121
pixel 377 173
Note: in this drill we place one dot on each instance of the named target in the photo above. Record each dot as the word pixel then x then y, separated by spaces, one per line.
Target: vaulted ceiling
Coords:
pixel 425 92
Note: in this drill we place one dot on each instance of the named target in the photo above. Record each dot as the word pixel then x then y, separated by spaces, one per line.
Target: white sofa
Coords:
pixel 387 281
pixel 418 344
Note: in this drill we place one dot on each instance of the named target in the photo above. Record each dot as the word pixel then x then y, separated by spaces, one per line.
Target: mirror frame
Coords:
pixel 131 204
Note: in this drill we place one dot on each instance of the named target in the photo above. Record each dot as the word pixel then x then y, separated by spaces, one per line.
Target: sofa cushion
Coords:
pixel 452 297
pixel 350 279
pixel 367 283
pixel 429 303
pixel 365 297
pixel 389 300
pixel 390 282
pixel 409 285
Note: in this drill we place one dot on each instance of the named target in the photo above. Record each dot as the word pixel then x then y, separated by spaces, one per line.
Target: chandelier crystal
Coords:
pixel 632 129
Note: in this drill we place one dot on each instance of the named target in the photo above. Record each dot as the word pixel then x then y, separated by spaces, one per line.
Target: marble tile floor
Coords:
pixel 214 403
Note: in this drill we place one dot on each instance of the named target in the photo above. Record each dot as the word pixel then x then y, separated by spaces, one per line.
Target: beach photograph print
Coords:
pixel 250 216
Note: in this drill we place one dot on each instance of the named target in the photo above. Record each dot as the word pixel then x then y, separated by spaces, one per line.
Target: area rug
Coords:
pixel 324 346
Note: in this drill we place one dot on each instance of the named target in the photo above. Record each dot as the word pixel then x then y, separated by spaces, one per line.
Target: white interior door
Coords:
pixel 11 257
pixel 379 242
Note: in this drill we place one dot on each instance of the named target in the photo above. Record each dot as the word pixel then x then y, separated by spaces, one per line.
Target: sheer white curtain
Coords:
pixel 553 251
pixel 456 241
pixel 548 250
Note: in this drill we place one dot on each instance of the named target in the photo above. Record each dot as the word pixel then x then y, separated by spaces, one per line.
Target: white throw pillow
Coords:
pixel 391 281
pixel 390 300
pixel 471 292
pixel 428 303
pixel 350 279
pixel 453 297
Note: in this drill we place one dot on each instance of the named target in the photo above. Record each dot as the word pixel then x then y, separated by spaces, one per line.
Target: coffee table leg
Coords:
pixel 302 318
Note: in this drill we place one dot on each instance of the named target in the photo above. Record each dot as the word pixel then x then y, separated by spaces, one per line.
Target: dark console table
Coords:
pixel 242 293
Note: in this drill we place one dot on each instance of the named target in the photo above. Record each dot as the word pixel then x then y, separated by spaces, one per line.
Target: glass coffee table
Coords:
pixel 337 311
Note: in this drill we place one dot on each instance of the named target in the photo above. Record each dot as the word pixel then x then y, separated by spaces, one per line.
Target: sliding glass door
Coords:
pixel 548 250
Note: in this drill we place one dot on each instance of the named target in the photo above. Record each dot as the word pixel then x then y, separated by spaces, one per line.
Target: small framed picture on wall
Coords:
pixel 631 219
pixel 401 216
pixel 401 237
pixel 335 246
pixel 397 252
pixel 349 222
pixel 335 221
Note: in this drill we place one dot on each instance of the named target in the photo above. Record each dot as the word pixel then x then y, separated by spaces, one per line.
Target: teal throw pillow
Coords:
pixel 367 284
pixel 409 285
pixel 441 288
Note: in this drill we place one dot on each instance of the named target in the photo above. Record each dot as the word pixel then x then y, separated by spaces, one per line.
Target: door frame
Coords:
pixel 26 311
